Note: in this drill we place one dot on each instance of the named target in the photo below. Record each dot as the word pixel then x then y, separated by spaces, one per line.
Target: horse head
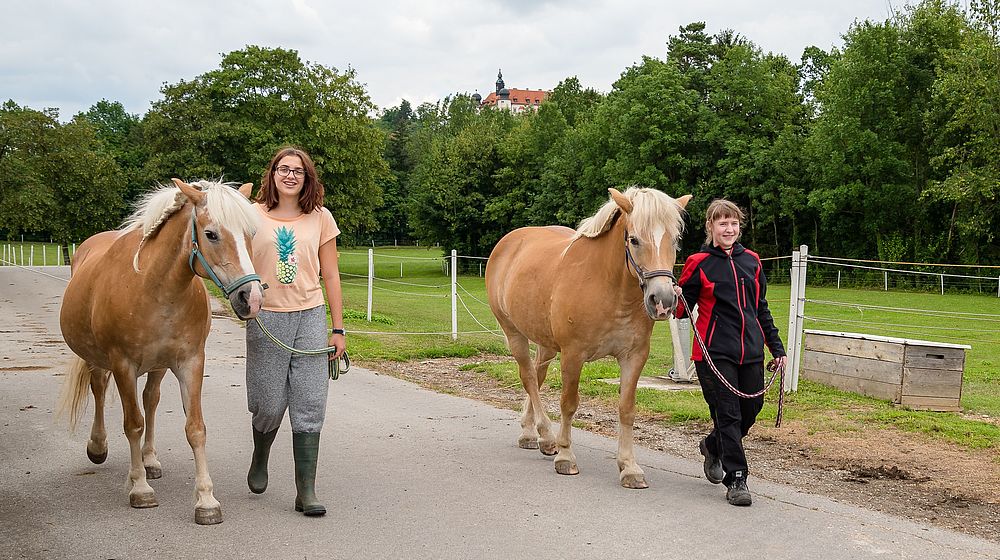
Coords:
pixel 653 224
pixel 223 223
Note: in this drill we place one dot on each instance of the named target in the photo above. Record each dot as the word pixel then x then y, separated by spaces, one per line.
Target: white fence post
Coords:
pixel 22 251
pixel 371 280
pixel 31 256
pixel 793 348
pixel 454 294
pixel 885 279
pixel 800 310
pixel 942 284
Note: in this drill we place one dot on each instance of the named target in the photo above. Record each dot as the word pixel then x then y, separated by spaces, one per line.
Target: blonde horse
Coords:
pixel 587 294
pixel 135 303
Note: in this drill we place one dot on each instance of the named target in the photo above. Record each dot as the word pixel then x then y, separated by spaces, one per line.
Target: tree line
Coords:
pixel 888 148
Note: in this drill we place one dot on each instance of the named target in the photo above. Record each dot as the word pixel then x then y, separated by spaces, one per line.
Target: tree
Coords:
pixel 121 135
pixel 455 178
pixel 55 180
pixel 868 149
pixel 964 123
pixel 229 122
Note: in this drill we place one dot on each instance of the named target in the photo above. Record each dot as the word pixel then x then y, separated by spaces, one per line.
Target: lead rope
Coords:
pixel 334 367
pixel 775 371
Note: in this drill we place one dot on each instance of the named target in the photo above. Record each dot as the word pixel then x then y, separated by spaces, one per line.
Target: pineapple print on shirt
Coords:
pixel 288 264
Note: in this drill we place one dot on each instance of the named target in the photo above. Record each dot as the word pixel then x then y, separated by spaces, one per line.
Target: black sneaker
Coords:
pixel 713 465
pixel 737 493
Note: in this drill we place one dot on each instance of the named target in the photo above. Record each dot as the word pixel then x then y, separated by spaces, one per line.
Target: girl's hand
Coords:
pixel 340 342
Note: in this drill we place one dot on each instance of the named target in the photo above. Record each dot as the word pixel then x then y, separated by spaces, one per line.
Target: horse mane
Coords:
pixel 650 208
pixel 224 203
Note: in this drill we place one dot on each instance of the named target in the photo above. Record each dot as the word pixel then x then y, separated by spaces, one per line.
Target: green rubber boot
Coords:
pixel 257 477
pixel 305 448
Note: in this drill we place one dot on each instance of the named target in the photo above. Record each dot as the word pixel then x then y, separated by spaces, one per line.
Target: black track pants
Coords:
pixel 732 416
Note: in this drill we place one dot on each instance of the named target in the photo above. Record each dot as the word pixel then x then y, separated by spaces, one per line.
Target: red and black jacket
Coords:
pixel 733 317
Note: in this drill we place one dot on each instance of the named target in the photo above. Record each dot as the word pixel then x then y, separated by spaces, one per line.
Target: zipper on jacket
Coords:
pixel 743 320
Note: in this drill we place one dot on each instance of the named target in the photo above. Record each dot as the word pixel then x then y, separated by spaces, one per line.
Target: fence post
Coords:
pixel 942 284
pixel 885 279
pixel 371 280
pixel 31 256
pixel 793 288
pixel 454 294
pixel 800 312
pixel 838 279
pixel 22 251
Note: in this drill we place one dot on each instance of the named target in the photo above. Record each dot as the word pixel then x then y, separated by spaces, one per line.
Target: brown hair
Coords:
pixel 718 209
pixel 311 196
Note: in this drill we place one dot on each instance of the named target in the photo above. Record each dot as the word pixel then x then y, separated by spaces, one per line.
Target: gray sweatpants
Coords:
pixel 278 379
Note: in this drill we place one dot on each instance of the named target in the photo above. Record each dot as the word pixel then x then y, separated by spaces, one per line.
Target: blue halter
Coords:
pixel 211 273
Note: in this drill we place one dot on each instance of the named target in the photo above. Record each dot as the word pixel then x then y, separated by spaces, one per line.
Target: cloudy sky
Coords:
pixel 70 54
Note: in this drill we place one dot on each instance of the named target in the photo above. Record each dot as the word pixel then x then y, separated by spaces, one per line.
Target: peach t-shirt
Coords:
pixel 286 256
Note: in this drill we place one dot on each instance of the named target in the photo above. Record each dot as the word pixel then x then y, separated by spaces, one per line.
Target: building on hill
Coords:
pixel 514 100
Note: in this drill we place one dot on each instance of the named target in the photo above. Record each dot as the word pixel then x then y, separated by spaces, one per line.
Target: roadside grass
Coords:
pixel 417 300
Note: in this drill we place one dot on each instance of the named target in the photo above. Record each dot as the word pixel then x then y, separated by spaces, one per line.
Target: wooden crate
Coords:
pixel 914 373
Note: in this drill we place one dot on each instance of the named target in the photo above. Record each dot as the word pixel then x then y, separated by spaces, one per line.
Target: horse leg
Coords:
pixel 529 435
pixel 534 415
pixel 565 461
pixel 150 399
pixel 97 446
pixel 140 493
pixel 630 474
pixel 207 510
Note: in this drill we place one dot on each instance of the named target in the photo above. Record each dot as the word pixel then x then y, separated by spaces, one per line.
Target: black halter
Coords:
pixel 642 274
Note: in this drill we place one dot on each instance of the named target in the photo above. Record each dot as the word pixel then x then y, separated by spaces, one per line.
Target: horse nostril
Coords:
pixel 243 296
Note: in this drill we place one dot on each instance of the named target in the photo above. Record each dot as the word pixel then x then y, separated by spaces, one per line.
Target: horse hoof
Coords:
pixel 152 473
pixel 97 458
pixel 208 516
pixel 634 481
pixel 566 467
pixel 141 501
pixel 548 450
pixel 527 443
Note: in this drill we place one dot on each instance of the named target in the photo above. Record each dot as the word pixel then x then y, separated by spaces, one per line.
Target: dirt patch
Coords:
pixel 885 470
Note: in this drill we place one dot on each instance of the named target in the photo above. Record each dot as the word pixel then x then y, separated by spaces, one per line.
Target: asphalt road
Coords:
pixel 404 472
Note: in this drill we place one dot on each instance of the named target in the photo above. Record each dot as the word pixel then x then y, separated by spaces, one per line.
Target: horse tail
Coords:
pixel 75 392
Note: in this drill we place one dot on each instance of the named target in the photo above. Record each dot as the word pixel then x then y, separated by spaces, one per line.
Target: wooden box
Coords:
pixel 913 373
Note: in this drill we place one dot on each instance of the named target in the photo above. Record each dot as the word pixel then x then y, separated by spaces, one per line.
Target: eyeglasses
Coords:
pixel 284 171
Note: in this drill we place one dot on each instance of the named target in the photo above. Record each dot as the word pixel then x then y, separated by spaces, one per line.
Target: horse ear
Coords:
pixel 193 193
pixel 246 189
pixel 624 203
pixel 683 201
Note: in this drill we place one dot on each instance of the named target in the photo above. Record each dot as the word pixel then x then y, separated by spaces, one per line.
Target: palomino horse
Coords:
pixel 135 304
pixel 587 294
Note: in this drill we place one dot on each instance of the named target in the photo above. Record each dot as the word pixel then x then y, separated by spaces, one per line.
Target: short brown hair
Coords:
pixel 718 209
pixel 311 196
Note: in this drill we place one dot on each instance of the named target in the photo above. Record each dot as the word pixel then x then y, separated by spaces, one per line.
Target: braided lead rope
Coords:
pixel 334 367
pixel 708 359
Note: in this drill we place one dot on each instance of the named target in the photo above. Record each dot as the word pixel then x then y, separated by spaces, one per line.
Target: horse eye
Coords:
pixel 633 241
pixel 211 235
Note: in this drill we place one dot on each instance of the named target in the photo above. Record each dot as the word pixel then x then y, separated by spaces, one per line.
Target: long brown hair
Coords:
pixel 311 196
pixel 718 209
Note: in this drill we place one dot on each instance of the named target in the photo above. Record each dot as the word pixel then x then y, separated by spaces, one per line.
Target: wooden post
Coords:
pixel 792 320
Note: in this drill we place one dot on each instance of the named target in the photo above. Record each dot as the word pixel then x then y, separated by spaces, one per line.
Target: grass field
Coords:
pixel 416 299
pixel 412 295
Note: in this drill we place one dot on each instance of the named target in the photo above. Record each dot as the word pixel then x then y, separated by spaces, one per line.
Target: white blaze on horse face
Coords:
pixel 242 251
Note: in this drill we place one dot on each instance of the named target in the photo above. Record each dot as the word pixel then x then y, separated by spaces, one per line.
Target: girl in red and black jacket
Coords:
pixel 726 282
